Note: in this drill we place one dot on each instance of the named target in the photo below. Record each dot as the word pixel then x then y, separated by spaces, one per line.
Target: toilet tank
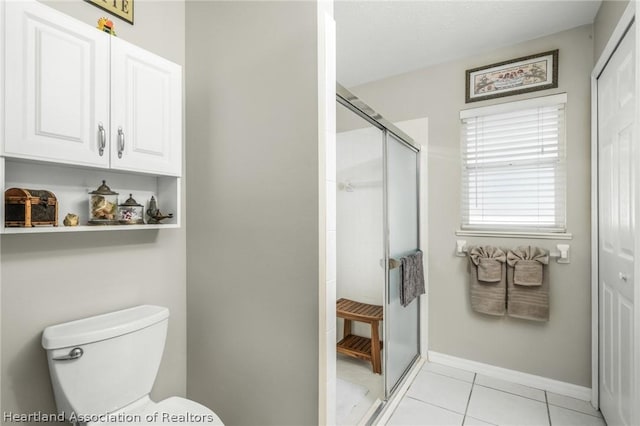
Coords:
pixel 121 353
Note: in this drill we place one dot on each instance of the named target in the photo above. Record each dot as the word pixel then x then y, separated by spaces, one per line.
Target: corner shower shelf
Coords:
pixel 358 346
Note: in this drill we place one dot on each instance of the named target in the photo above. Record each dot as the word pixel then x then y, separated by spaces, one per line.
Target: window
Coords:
pixel 514 166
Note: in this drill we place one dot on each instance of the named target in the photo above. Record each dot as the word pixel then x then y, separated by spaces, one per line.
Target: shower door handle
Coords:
pixel 393 263
pixel 75 353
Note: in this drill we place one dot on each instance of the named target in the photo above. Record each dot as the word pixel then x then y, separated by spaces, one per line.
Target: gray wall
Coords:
pixel 559 349
pixel 252 239
pixel 158 26
pixel 47 279
pixel 606 20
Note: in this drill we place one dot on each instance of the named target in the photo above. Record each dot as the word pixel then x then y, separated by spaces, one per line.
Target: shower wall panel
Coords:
pixel 359 196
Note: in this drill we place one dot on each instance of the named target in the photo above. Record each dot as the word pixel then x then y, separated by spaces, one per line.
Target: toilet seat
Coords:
pixel 171 411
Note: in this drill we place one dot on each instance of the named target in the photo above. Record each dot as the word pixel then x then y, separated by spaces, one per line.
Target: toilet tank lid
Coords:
pixel 102 327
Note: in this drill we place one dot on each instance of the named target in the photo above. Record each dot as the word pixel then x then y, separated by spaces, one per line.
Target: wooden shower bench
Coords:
pixel 358 346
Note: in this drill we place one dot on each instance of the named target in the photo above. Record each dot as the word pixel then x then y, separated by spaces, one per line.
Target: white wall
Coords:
pixel 253 237
pixel 559 349
pixel 47 279
pixel 326 78
pixel 360 220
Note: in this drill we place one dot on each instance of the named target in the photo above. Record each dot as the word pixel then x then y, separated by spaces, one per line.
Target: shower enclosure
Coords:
pixel 377 224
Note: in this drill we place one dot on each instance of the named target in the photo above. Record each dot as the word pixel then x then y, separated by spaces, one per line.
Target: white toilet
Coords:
pixel 103 368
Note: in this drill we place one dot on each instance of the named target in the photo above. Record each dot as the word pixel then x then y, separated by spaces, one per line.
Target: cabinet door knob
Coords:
pixel 623 277
pixel 102 143
pixel 120 142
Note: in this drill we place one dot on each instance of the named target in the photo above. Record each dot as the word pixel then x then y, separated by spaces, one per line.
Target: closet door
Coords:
pixel 57 105
pixel 617 178
pixel 402 326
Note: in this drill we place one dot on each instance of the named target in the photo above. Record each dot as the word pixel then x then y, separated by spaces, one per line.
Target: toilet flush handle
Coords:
pixel 75 353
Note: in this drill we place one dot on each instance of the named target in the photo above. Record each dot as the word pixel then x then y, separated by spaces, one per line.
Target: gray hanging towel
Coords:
pixel 527 263
pixel 488 282
pixel 412 282
pixel 528 284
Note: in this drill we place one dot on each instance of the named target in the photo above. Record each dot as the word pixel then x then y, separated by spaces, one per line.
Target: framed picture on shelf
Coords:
pixel 520 75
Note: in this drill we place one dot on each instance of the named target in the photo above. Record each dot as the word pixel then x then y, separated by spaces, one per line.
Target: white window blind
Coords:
pixel 514 166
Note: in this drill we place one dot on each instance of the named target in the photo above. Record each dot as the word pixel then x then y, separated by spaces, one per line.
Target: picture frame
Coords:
pixel 122 9
pixel 520 75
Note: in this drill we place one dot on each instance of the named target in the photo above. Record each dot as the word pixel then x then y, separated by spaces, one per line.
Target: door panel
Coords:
pixel 608 378
pixel 625 312
pixel 625 195
pixel 59 96
pixel 402 325
pixel 617 179
pixel 146 111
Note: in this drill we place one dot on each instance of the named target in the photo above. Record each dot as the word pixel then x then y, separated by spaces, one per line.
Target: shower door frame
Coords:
pixel 357 106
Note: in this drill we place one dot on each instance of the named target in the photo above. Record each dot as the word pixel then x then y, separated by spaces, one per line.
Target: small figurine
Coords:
pixel 71 220
pixel 106 25
pixel 155 216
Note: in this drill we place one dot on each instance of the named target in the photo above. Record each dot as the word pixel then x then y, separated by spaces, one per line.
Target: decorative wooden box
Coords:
pixel 29 207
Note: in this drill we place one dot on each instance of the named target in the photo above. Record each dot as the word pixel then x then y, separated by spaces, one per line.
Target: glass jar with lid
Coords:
pixel 103 206
pixel 130 212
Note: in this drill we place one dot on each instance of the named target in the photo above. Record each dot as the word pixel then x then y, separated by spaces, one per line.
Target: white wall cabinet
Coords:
pixel 76 96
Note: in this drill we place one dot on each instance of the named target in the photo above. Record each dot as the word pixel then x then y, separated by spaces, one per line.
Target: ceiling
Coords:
pixel 377 39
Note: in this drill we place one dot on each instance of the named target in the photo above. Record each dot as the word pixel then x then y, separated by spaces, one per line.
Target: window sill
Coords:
pixel 516 234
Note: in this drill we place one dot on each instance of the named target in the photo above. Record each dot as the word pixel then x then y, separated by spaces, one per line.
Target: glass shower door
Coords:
pixel 402 327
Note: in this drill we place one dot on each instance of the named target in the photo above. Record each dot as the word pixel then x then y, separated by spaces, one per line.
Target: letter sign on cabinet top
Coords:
pixel 121 8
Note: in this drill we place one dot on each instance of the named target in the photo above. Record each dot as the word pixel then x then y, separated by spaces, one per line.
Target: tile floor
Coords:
pixel 442 395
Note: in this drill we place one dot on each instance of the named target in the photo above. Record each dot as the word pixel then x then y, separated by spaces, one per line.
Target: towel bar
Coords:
pixel 562 253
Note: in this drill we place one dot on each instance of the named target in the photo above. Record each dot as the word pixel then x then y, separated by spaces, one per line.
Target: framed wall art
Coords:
pixel 123 9
pixel 520 75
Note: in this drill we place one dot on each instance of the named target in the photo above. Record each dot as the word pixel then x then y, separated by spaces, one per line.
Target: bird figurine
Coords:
pixel 106 25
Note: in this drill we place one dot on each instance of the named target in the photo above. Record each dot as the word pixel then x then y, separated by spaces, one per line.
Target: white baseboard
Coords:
pixel 526 379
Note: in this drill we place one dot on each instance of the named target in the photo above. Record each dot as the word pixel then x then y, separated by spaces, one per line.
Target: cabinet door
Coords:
pixel 146 111
pixel 57 86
